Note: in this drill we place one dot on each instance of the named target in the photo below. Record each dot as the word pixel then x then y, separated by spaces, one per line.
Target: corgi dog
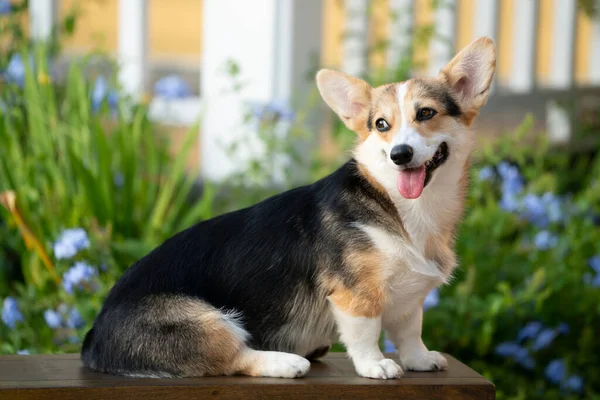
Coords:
pixel 264 290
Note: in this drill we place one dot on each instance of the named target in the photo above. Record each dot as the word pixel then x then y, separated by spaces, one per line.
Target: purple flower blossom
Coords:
pixel 529 331
pixel 15 70
pixel 486 173
pixel 277 110
pixel 563 328
pixel 11 313
pixel 432 299
pixel 53 319
pixel 5 7
pixel 541 210
pixel 118 180
pixel 544 240
pixel 509 202
pixel 544 339
pixel 23 352
pixel 74 319
pixel 594 262
pixel 388 346
pixel 70 242
pixel 78 276
pixel 574 383
pixel 555 371
pixel 172 87
pixel 518 353
pixel 101 92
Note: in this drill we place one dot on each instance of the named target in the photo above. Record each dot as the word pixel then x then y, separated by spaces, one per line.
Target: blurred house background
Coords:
pixel 548 52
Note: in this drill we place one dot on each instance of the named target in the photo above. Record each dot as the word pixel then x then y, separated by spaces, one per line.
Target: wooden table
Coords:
pixel 62 377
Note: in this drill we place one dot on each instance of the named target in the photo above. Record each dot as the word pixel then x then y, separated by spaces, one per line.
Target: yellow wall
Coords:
pixel 175 30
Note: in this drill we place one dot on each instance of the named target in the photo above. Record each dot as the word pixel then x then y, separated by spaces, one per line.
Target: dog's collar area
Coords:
pixel 440 157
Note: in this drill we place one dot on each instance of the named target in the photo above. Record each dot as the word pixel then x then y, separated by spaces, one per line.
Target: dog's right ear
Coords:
pixel 349 97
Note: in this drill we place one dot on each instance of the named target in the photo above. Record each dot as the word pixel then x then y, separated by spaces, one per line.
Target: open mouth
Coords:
pixel 412 181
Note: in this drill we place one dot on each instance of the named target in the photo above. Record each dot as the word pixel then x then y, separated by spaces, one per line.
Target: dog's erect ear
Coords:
pixel 349 97
pixel 469 74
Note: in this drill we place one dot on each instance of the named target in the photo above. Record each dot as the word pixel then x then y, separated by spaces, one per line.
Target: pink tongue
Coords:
pixel 411 182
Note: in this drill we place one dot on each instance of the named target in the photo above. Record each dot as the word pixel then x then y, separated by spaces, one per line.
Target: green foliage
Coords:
pixel 67 160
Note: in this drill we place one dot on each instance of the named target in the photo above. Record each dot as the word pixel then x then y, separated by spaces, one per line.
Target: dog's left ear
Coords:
pixel 348 97
pixel 469 74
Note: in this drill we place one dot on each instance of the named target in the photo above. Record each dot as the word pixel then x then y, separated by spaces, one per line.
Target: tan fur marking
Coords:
pixel 384 105
pixel 367 297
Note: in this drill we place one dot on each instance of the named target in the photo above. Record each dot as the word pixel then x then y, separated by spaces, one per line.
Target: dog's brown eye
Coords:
pixel 425 113
pixel 382 125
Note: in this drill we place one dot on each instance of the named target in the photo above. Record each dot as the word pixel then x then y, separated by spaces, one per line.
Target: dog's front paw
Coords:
pixel 382 369
pixel 424 361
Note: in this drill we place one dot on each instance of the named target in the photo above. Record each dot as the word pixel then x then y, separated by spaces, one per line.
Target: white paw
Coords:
pixel 424 361
pixel 382 369
pixel 283 365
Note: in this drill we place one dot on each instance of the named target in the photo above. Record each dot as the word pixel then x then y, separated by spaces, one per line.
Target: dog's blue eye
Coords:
pixel 425 113
pixel 382 125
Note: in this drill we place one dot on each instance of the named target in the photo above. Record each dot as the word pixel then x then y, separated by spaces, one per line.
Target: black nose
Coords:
pixel 401 154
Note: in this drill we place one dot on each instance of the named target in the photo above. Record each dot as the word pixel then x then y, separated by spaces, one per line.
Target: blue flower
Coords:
pixel 553 205
pixel 563 328
pixel 119 180
pixel 534 210
pixel 486 173
pixel 23 352
pixel 11 313
pixel 508 349
pixel 518 353
pixel 544 240
pixel 53 319
pixel 5 7
pixel 101 92
pixel 555 371
pixel 15 70
pixel 544 339
pixel 277 110
pixel 526 361
pixel 388 346
pixel 594 262
pixel 78 276
pixel 73 339
pixel 70 242
pixel 512 181
pixel 574 383
pixel 509 202
pixel 529 331
pixel 74 320
pixel 172 87
pixel 432 299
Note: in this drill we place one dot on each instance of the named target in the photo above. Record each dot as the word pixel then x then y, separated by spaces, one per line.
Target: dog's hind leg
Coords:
pixel 178 336
pixel 274 364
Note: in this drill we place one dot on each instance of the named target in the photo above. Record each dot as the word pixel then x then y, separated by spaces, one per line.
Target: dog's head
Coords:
pixel 410 130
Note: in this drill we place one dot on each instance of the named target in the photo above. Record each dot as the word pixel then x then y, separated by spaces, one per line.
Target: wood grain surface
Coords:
pixel 63 377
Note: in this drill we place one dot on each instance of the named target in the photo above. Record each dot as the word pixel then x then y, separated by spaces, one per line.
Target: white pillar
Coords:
pixel 486 24
pixel 273 44
pixel 356 37
pixel 563 51
pixel 443 42
pixel 132 41
pixel 522 77
pixel 594 61
pixel 486 18
pixel 401 29
pixel 42 18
